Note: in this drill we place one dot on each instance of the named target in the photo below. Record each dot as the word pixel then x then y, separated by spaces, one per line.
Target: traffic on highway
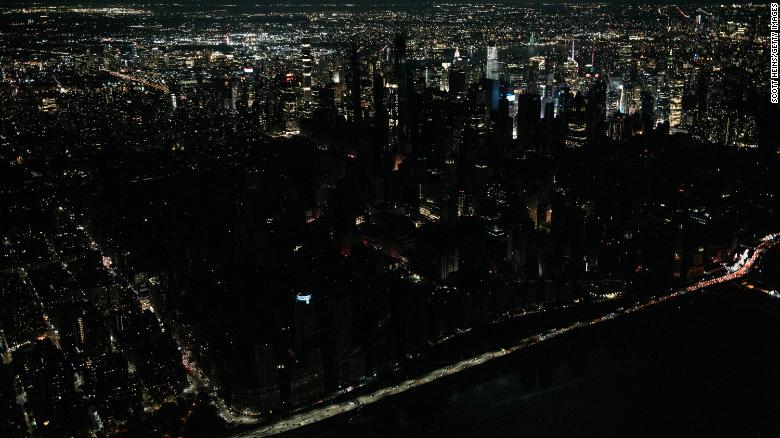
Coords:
pixel 743 265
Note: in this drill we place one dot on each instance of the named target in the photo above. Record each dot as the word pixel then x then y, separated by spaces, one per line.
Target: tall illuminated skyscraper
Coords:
pixel 662 104
pixel 492 66
pixel 616 97
pixel 676 88
pixel 306 63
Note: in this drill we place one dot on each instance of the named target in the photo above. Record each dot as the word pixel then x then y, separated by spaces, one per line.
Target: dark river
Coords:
pixel 703 364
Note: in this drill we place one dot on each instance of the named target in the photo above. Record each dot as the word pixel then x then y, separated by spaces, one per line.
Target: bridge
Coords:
pixel 161 87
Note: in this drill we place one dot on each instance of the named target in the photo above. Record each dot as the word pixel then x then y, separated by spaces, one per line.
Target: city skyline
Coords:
pixel 311 218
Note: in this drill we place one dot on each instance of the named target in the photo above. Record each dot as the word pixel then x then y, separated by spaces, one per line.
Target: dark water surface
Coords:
pixel 704 365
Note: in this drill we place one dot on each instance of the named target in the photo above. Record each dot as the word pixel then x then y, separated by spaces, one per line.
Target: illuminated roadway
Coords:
pixel 742 266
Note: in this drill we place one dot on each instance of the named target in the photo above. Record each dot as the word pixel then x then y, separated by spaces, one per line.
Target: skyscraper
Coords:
pixel 401 76
pixel 354 84
pixel 306 63
pixel 306 379
pixel 492 69
pixel 676 89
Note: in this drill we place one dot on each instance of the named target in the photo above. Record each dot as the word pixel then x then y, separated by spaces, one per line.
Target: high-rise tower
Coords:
pixel 402 78
pixel 354 84
pixel 491 66
pixel 306 63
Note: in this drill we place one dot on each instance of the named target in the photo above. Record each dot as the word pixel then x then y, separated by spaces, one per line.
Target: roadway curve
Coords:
pixel 742 267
